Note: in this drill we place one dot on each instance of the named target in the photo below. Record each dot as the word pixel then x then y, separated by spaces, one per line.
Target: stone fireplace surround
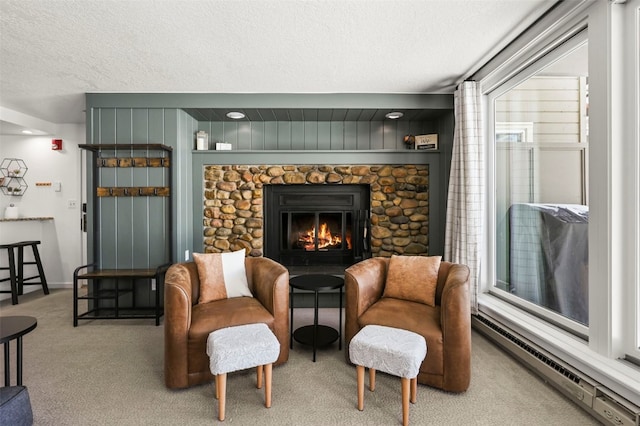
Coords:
pixel 233 203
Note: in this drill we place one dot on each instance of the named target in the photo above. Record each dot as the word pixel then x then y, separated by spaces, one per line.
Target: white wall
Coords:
pixel 61 239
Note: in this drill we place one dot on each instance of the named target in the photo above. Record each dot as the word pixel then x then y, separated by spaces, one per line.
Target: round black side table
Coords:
pixel 316 335
pixel 14 328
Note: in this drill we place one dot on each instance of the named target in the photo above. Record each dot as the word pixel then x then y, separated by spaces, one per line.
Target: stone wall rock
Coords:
pixel 233 203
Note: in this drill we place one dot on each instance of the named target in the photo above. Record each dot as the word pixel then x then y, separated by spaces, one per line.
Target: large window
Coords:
pixel 541 175
pixel 564 167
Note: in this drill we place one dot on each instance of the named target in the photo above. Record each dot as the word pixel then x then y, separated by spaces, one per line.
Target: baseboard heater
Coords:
pixel 597 400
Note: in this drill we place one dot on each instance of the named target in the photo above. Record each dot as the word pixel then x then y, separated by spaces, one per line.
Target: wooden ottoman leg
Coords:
pixel 414 390
pixel 221 391
pixel 360 374
pixel 259 377
pixel 405 400
pixel 372 379
pixel 215 384
pixel 268 368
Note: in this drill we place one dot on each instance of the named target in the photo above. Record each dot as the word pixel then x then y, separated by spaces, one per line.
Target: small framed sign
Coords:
pixel 427 141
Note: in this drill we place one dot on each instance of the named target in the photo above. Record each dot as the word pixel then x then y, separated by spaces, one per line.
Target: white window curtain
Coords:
pixel 465 208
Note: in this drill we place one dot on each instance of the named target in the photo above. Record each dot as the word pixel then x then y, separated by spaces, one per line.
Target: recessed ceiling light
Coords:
pixel 394 115
pixel 27 132
pixel 235 115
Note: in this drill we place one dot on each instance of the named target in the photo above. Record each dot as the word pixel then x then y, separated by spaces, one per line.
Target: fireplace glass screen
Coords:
pixel 316 231
pixel 316 224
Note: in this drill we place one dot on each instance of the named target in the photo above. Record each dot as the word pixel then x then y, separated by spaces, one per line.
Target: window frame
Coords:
pixel 556 53
pixel 614 194
pixel 631 67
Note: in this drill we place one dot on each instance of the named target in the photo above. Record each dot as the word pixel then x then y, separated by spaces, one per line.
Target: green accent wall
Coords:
pixel 131 233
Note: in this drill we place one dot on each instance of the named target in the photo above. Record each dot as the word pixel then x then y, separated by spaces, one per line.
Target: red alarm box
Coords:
pixel 56 144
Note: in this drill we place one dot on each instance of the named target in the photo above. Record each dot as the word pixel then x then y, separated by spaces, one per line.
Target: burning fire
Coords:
pixel 325 238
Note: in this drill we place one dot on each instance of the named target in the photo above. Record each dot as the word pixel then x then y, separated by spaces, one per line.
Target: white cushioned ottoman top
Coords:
pixel 392 350
pixel 240 347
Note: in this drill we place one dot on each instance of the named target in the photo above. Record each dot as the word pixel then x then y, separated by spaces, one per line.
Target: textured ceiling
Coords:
pixel 52 52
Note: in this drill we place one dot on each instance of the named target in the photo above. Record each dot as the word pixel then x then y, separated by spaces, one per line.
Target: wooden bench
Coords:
pixel 104 290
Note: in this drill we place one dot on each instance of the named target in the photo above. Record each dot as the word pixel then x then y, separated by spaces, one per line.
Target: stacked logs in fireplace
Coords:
pixel 317 224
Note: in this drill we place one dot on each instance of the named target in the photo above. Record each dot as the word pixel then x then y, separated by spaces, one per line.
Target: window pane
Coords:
pixel 541 188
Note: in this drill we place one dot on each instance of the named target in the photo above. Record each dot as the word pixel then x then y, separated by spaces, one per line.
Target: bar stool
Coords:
pixel 36 261
pixel 16 271
pixel 11 267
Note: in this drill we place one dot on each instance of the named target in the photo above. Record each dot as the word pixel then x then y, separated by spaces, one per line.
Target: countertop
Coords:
pixel 25 219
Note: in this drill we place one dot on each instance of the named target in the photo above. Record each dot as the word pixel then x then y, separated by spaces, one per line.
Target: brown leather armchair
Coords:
pixel 187 324
pixel 446 327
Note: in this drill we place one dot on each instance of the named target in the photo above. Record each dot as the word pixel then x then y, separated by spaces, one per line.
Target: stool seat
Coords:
pixel 26 243
pixel 238 348
pixel 392 350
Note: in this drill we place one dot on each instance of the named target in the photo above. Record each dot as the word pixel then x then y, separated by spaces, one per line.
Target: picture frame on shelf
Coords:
pixel 426 142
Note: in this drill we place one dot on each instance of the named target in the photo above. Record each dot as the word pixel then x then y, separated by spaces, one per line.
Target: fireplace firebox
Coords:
pixel 309 225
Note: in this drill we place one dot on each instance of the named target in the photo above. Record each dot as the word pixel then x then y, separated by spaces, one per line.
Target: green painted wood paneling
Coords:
pixel 123 125
pixel 107 126
pixel 257 135
pixel 314 135
pixel 329 129
pixel 337 135
pixel 140 226
pixel 156 125
pixel 130 232
pixel 297 135
pixel 363 136
pixel 350 140
pixel 244 135
pixel 310 135
pixel 283 140
pixel 270 135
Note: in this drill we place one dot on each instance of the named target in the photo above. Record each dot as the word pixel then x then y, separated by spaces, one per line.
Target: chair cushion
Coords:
pixel 413 278
pixel 416 317
pixel 208 317
pixel 222 275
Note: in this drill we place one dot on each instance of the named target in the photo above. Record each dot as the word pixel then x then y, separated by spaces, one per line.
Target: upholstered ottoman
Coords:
pixel 392 350
pixel 238 348
pixel 15 406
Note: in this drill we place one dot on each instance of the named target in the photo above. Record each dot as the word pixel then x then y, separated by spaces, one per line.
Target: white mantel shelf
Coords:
pixel 27 219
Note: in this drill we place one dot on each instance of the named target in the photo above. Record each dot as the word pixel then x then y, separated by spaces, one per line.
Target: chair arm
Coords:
pixel 270 284
pixel 177 320
pixel 271 287
pixel 364 284
pixel 456 329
